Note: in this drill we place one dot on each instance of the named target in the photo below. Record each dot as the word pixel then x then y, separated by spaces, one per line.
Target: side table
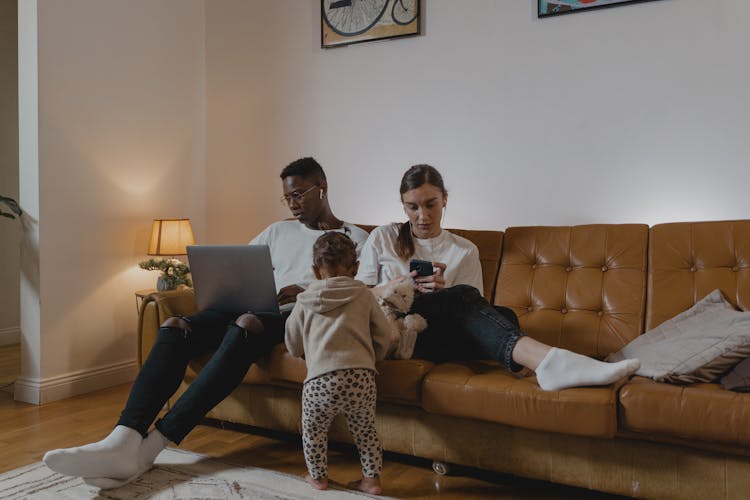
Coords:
pixel 140 295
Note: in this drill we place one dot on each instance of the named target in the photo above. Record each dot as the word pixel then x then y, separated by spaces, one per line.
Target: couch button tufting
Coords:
pixel 564 311
pixel 568 269
pixel 693 269
pixel 735 269
pixel 600 313
pixel 604 269
pixel 533 266
pixel 529 308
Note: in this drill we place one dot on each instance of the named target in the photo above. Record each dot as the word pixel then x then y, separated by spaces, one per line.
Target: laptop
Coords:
pixel 233 278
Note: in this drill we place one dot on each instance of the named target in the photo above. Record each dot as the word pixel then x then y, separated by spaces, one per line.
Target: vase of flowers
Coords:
pixel 174 273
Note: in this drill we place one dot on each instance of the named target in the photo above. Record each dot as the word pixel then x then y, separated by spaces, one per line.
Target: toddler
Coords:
pixel 340 330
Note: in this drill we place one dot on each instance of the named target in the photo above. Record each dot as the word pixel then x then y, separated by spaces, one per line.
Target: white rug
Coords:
pixel 177 474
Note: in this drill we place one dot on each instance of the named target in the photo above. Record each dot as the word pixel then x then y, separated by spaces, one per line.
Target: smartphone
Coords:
pixel 422 267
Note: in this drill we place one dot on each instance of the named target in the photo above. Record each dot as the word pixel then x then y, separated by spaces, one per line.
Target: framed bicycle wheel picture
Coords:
pixel 344 22
pixel 555 7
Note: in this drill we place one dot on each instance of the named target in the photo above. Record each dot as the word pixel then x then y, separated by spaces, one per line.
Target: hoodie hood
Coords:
pixel 326 295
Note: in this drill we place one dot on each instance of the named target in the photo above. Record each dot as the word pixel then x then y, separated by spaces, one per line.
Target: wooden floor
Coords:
pixel 27 431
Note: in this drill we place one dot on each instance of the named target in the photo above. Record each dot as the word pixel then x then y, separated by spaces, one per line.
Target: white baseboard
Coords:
pixel 9 336
pixel 36 391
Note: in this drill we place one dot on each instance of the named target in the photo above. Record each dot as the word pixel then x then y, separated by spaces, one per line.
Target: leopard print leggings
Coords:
pixel 353 393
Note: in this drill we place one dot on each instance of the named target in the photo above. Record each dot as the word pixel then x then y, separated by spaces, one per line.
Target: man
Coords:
pixel 237 339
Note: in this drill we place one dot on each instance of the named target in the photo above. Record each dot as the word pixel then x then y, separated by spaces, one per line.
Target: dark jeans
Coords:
pixel 161 374
pixel 461 325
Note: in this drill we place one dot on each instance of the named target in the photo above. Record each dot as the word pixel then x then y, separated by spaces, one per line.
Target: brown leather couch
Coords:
pixel 590 289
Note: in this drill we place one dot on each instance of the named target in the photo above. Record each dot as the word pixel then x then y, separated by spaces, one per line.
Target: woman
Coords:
pixel 461 324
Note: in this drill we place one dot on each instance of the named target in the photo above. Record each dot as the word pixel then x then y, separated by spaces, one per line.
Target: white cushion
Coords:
pixel 697 345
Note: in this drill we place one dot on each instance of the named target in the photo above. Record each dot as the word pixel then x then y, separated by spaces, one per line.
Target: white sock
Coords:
pixel 154 443
pixel 114 456
pixel 561 369
pixel 150 448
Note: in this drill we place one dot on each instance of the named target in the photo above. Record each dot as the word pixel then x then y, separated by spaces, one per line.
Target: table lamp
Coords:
pixel 169 237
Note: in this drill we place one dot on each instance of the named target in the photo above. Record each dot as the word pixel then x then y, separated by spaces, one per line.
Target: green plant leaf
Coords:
pixel 15 210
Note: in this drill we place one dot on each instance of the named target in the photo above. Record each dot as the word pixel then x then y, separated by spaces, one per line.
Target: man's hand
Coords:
pixel 288 294
pixel 427 284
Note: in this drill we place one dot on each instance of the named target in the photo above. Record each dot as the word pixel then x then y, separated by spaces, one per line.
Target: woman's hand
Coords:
pixel 428 284
pixel 289 293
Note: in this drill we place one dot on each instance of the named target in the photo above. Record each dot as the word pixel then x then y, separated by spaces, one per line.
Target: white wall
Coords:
pixel 9 230
pixel 121 117
pixel 636 113
pixel 243 92
pixel 190 108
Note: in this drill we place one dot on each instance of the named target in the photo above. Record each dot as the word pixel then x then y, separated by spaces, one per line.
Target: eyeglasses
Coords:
pixel 296 196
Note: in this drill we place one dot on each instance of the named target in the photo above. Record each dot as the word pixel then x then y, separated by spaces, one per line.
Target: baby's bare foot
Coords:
pixel 318 484
pixel 369 485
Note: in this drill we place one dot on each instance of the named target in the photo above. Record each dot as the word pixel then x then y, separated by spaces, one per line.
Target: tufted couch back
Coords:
pixel 585 288
pixel 688 260
pixel 582 288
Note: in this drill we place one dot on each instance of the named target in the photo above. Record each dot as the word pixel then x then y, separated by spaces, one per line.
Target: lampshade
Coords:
pixel 170 237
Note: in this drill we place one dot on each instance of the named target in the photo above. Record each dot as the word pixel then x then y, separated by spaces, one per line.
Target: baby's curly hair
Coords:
pixel 334 250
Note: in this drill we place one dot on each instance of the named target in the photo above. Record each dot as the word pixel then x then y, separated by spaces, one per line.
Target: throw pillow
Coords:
pixel 739 378
pixel 697 345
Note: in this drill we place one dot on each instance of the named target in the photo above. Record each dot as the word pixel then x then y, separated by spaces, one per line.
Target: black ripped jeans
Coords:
pixel 462 325
pixel 161 374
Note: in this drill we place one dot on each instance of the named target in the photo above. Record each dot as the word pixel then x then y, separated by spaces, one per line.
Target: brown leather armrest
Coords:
pixel 157 307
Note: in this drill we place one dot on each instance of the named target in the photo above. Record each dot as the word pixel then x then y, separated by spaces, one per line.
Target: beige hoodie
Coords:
pixel 337 324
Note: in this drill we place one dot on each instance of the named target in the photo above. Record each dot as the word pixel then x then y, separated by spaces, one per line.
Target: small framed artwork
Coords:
pixel 555 7
pixel 343 22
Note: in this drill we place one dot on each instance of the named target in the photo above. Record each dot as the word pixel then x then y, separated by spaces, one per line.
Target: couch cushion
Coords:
pixel 582 288
pixel 697 345
pixel 687 260
pixel 484 390
pixel 703 412
pixel 397 380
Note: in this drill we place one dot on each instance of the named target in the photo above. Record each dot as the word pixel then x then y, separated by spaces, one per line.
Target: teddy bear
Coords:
pixel 395 300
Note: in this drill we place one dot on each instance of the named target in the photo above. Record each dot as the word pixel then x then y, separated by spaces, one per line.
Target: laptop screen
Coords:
pixel 233 278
